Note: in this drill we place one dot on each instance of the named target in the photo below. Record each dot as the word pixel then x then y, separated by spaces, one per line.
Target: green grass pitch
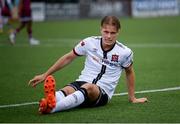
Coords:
pixel 156 46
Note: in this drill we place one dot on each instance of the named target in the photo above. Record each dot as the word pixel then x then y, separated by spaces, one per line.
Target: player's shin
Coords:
pixel 60 95
pixel 71 101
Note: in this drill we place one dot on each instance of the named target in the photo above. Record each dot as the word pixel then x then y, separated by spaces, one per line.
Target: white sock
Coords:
pixel 59 95
pixel 70 101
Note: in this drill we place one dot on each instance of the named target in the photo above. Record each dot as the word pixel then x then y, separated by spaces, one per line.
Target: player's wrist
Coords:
pixel 45 75
pixel 132 99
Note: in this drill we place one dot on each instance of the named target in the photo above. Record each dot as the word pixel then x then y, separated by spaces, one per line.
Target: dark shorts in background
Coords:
pixel 5 12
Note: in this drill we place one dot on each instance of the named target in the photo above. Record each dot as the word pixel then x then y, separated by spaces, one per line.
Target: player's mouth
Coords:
pixel 108 42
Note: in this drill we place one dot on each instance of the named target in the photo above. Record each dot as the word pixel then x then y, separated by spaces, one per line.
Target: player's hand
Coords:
pixel 139 100
pixel 36 80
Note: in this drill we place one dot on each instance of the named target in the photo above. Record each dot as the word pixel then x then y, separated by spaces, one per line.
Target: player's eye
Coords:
pixel 113 33
pixel 106 32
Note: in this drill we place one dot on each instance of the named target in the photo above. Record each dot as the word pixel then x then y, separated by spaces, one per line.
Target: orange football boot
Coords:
pixel 49 102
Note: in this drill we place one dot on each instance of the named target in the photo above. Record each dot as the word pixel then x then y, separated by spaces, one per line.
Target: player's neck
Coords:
pixel 107 47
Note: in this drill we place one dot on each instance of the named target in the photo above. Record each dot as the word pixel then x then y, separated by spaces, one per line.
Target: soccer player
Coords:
pixel 7 8
pixel 1 19
pixel 25 21
pixel 106 58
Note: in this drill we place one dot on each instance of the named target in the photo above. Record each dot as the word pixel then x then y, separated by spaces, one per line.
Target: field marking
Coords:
pixel 119 94
pixel 150 91
pixel 137 45
pixel 17 105
pixel 61 42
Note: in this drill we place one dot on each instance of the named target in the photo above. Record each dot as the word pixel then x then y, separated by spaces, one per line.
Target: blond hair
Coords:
pixel 111 20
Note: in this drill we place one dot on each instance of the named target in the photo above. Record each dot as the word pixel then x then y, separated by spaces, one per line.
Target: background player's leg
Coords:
pixel 32 41
pixel 29 29
pixel 13 34
pixel 20 27
pixel 1 22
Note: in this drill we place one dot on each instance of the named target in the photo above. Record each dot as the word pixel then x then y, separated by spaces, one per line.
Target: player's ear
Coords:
pixel 118 31
pixel 101 29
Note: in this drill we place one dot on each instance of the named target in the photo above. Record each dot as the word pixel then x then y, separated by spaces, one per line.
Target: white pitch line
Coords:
pixel 61 42
pixel 120 94
pixel 138 45
pixel 17 105
pixel 150 91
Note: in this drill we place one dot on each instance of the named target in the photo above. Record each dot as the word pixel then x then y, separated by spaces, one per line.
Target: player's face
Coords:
pixel 109 34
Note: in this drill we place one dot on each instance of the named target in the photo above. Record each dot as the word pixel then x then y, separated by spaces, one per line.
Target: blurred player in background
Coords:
pixel 106 58
pixel 25 16
pixel 1 21
pixel 8 13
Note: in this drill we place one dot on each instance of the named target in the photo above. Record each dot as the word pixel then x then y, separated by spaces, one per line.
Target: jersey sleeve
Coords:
pixel 80 48
pixel 128 59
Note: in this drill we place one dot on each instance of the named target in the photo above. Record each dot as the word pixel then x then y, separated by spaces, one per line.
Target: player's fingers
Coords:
pixel 31 82
pixel 36 80
pixel 140 100
pixel 145 100
pixel 35 83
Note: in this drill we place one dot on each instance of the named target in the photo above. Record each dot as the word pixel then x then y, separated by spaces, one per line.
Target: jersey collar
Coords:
pixel 109 49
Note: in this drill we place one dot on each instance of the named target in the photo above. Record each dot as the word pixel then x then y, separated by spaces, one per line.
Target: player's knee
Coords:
pixel 92 90
pixel 68 90
pixel 89 87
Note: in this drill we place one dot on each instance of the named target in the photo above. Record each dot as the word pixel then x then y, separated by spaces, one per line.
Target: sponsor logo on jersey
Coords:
pixel 107 62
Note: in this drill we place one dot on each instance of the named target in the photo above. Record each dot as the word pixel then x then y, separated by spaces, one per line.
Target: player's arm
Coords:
pixel 130 77
pixel 59 64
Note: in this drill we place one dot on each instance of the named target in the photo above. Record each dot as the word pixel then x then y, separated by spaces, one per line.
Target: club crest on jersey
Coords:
pixel 114 58
pixel 82 43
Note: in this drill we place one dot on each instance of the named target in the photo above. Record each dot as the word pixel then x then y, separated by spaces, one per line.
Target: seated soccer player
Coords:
pixel 106 58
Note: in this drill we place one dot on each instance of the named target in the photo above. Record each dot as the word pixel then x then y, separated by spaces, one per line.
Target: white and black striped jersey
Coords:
pixel 103 67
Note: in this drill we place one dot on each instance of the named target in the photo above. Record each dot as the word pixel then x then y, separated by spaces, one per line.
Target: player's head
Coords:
pixel 111 20
pixel 110 26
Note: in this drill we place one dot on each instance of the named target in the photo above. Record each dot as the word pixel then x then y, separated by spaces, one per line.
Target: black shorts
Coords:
pixel 100 101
